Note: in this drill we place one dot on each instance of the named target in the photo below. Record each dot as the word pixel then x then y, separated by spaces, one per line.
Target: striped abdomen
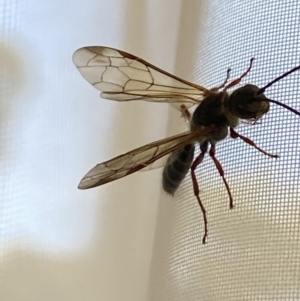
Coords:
pixel 177 166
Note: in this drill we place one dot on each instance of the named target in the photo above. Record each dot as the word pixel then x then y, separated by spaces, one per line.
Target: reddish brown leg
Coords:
pixel 235 135
pixel 218 165
pixel 185 113
pixel 237 80
pixel 197 161
pixel 252 121
pixel 216 89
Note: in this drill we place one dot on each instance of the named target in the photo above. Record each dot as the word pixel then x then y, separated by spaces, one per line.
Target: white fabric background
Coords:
pixel 59 243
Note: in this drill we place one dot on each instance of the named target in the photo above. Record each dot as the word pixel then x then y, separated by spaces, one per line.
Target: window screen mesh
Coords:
pixel 252 251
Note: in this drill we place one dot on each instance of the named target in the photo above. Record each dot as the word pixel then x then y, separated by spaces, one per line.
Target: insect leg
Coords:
pixel 216 89
pixel 237 80
pixel 235 135
pixel 219 167
pixel 197 161
pixel 185 113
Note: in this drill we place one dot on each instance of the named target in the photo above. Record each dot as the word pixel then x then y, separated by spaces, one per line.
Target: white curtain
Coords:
pixel 127 240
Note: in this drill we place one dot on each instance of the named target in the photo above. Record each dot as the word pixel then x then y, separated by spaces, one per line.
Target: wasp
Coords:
pixel 121 76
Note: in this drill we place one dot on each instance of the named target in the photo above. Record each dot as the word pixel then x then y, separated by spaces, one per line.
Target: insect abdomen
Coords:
pixel 178 165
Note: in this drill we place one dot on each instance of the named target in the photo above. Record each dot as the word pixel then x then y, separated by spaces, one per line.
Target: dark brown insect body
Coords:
pixel 221 111
pixel 124 77
pixel 177 166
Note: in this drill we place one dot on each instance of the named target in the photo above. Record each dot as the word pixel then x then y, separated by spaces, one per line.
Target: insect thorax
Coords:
pixel 213 112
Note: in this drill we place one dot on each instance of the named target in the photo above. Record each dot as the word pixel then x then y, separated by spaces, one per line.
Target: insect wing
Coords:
pixel 137 159
pixel 121 76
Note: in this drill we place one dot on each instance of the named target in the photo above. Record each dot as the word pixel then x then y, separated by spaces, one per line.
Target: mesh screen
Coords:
pixel 252 251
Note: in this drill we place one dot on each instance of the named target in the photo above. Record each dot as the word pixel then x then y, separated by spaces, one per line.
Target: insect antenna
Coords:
pixel 262 90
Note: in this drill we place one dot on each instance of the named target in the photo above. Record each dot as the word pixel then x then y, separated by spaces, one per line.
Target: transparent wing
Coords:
pixel 137 159
pixel 157 164
pixel 124 77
